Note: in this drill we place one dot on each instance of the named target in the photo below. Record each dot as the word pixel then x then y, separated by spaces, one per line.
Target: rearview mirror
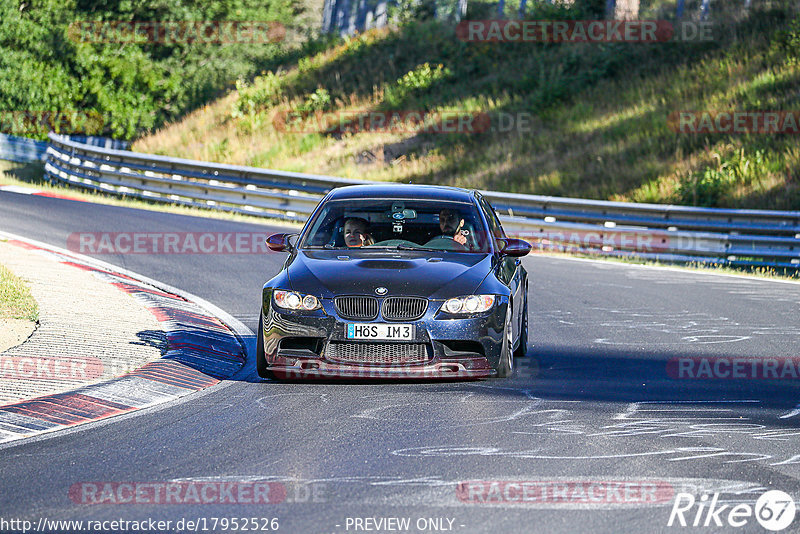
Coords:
pixel 515 247
pixel 280 242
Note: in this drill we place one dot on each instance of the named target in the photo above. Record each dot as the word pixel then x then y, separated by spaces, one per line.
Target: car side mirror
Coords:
pixel 280 242
pixel 515 247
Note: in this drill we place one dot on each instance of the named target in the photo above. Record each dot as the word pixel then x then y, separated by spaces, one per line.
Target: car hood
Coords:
pixel 327 273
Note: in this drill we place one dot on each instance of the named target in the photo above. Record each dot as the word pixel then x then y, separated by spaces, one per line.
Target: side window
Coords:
pixel 494 223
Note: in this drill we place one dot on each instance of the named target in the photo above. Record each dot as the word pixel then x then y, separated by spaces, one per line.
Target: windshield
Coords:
pixel 398 224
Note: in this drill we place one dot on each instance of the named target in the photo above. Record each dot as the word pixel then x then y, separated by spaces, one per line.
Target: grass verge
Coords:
pixel 16 301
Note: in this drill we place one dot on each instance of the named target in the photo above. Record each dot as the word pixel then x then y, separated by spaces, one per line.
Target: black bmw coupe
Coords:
pixel 396 281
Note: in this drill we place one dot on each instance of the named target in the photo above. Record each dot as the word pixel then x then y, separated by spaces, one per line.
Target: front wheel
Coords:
pixel 261 361
pixel 505 367
pixel 522 349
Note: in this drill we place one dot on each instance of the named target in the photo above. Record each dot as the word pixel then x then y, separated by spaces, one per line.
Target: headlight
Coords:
pixel 468 304
pixel 291 300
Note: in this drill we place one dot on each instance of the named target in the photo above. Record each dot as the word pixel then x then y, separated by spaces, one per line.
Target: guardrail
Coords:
pixel 21 149
pixel 25 150
pixel 653 231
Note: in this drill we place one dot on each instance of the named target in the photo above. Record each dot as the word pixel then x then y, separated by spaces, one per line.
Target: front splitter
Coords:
pixel 322 369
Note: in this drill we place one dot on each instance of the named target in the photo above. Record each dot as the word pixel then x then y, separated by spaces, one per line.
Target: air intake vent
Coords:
pixel 377 353
pixel 404 308
pixel 361 308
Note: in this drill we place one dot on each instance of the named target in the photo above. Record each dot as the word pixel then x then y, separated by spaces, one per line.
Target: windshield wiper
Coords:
pixel 418 247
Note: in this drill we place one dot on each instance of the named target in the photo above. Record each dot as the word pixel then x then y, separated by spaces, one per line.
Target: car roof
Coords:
pixel 404 191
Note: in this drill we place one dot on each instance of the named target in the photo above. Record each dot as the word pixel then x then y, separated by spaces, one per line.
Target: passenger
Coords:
pixel 451 224
pixel 356 233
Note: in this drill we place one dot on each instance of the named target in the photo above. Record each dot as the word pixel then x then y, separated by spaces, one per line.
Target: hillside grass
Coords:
pixel 599 112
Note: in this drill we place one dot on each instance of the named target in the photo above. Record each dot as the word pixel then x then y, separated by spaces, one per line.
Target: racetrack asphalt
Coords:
pixel 597 403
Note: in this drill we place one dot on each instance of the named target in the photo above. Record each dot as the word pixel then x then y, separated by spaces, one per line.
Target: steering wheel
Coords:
pixel 448 242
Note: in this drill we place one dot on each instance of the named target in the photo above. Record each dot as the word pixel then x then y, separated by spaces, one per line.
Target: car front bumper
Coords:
pixel 481 334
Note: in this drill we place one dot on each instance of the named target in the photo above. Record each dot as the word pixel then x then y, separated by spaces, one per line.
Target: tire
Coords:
pixel 261 361
pixel 522 349
pixel 505 367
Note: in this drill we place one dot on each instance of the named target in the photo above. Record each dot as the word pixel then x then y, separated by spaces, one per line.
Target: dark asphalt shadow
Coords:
pixel 612 375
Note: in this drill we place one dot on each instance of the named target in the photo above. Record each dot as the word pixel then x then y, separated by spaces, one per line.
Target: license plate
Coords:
pixel 380 331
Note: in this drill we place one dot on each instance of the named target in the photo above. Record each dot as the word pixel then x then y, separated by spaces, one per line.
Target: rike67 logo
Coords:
pixel 774 510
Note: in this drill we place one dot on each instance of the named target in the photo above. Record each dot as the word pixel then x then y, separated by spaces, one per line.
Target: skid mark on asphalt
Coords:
pixel 268 402
pixel 549 428
pixel 637 407
pixel 677 454
pixel 672 328
pixel 793 413
pixel 753 290
pixel 685 340
pixel 536 416
pixel 719 421
pixel 523 414
pixel 402 410
pixel 689 419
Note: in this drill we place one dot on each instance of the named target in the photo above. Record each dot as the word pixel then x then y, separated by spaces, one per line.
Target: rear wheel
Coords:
pixel 261 361
pixel 505 366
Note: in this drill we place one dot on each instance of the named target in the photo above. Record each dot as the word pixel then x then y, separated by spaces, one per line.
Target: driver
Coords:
pixel 356 233
pixel 451 224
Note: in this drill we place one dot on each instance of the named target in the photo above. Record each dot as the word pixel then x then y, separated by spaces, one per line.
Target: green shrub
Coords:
pixel 134 87
pixel 708 186
pixel 319 100
pixel 408 11
pixel 786 43
pixel 415 82
pixel 265 92
pixel 704 188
